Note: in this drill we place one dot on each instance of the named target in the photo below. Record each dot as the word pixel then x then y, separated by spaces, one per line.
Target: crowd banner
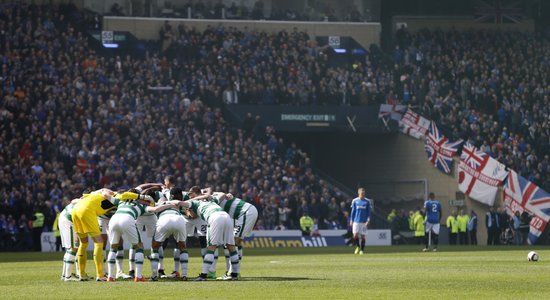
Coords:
pixel 440 150
pixel 479 175
pixel 524 196
pixel 414 124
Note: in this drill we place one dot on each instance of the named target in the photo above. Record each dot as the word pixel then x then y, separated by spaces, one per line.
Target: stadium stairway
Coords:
pixel 378 217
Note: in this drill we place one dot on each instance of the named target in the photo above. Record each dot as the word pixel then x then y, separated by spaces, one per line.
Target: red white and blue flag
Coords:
pixel 498 11
pixel 479 175
pixel 524 196
pixel 440 150
pixel 414 124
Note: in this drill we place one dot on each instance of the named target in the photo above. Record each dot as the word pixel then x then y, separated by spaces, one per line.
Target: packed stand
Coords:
pixel 73 121
pixel 207 10
pixel 282 68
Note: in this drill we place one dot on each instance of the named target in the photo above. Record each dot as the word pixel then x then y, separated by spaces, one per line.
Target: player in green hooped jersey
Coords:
pixel 197 227
pixel 123 223
pixel 69 241
pixel 219 232
pixel 244 215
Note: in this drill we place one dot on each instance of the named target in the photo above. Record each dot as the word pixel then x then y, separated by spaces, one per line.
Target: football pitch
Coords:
pixel 399 272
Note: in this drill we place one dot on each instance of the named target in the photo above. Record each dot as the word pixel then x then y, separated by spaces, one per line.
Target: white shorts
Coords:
pixel 199 224
pixel 220 230
pixel 123 225
pixel 149 222
pixel 103 224
pixel 245 223
pixel 170 224
pixel 433 227
pixel 69 238
pixel 359 228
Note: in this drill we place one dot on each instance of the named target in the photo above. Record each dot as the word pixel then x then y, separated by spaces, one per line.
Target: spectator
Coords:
pixel 37 227
pixel 452 227
pixel 524 225
pixel 392 215
pixel 284 212
pixel 306 225
pixel 418 223
pixel 333 210
pixel 463 220
pixel 411 220
pixel 116 10
pixel 24 232
pixel 3 230
pixel 493 227
pixel 472 228
pixel 504 221
pixel 270 214
pixel 315 230
pixel 515 226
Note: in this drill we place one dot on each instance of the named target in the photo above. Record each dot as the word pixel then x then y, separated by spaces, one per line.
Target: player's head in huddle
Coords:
pixel 194 191
pixel 176 193
pixel 153 194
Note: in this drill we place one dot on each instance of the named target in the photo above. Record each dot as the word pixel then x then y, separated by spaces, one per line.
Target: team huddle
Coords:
pixel 217 219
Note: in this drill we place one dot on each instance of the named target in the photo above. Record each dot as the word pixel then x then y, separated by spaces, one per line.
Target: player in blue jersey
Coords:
pixel 359 219
pixel 432 208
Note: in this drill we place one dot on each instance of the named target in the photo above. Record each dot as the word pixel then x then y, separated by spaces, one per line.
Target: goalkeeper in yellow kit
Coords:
pixel 84 216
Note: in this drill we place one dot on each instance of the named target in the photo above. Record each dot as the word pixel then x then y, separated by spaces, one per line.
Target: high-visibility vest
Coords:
pixel 453 224
pixel 392 216
pixel 56 226
pixel 39 222
pixel 306 223
pixel 463 222
pixel 419 225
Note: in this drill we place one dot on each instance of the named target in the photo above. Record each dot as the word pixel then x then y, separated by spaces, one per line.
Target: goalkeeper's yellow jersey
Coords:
pixel 96 203
pixel 86 211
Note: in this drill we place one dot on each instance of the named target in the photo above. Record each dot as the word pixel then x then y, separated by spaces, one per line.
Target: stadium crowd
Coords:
pixel 73 120
pixel 316 11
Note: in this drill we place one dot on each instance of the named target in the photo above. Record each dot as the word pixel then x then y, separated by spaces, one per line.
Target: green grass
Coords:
pixel 401 272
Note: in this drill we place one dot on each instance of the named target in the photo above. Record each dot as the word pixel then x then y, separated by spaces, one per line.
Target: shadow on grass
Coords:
pixel 264 278
pixel 259 278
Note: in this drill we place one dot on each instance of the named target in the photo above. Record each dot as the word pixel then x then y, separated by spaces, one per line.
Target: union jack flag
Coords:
pixel 440 151
pixel 524 196
pixel 498 11
pixel 471 156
